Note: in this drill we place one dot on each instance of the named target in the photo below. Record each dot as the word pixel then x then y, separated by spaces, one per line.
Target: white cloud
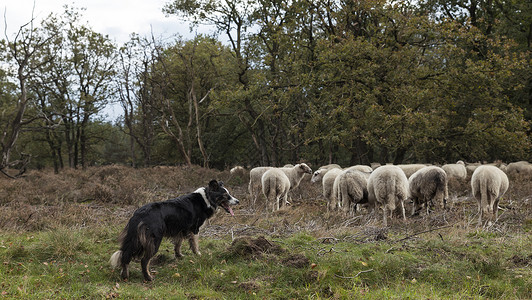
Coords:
pixel 116 18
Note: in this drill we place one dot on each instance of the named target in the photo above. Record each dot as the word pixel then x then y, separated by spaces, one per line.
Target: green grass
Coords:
pixel 73 264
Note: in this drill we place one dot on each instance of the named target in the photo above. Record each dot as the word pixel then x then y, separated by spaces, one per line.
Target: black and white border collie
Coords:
pixel 177 219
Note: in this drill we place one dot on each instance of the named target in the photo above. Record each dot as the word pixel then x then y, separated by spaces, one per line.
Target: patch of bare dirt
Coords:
pixel 254 247
pixel 249 286
pixel 296 261
pixel 520 261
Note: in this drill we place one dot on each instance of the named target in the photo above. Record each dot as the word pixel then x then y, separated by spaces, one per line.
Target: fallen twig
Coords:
pixel 328 238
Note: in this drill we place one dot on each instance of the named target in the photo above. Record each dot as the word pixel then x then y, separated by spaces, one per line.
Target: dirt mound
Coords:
pixel 296 261
pixel 247 246
pixel 520 261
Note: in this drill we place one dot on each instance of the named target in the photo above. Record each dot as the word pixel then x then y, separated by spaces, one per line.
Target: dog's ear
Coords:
pixel 213 185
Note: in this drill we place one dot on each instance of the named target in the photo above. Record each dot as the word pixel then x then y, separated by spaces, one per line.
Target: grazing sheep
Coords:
pixel 350 189
pixel 470 167
pixel 328 183
pixel 237 169
pixel 457 170
pixel 410 169
pixel 519 167
pixel 428 186
pixel 388 189
pixel 275 186
pixel 488 183
pixel 296 173
pixel 319 173
pixel 374 165
pixel 503 167
pixel 255 178
pixel 361 168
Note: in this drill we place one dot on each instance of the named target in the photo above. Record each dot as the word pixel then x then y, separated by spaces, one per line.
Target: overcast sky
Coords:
pixel 116 18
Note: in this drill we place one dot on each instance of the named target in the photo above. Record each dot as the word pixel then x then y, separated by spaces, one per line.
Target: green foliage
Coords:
pixel 352 82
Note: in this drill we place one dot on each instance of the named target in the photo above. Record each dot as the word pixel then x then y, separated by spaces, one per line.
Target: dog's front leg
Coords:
pixel 194 243
pixel 177 246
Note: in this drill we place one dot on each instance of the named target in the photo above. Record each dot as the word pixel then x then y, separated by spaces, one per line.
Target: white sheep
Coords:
pixel 471 167
pixel 350 189
pixel 374 165
pixel 255 178
pixel 361 168
pixel 275 186
pixel 237 169
pixel 457 170
pixel 321 171
pixel 488 184
pixel 428 186
pixel 327 185
pixel 410 169
pixel 388 189
pixel 519 167
pixel 296 173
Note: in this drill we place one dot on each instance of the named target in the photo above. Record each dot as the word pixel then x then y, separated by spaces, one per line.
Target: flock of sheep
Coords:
pixel 386 188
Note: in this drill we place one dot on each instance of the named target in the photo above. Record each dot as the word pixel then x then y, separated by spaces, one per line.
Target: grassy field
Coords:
pixel 57 233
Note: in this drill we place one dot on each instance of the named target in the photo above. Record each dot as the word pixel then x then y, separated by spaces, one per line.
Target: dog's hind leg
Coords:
pixel 149 252
pixel 194 243
pixel 151 246
pixel 145 265
pixel 125 272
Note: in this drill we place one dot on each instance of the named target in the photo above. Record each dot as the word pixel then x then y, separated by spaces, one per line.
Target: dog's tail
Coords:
pixel 125 251
pixel 116 258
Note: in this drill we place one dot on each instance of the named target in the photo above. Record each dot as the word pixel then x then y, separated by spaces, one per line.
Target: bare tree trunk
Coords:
pixel 179 137
pixel 198 127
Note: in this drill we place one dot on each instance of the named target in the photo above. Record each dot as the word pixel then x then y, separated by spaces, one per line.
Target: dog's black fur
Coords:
pixel 176 218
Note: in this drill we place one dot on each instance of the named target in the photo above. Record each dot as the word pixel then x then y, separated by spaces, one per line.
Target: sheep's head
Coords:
pixel 303 168
pixel 316 176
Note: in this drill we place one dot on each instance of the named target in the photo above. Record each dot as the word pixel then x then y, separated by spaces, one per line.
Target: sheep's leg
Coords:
pixel 480 213
pixel 346 204
pixel 496 207
pixel 414 207
pixel 385 216
pixel 403 210
pixel 282 202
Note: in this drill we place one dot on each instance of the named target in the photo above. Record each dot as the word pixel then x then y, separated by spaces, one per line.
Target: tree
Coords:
pixel 75 85
pixel 21 51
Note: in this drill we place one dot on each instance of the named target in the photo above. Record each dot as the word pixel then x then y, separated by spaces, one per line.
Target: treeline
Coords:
pixel 348 82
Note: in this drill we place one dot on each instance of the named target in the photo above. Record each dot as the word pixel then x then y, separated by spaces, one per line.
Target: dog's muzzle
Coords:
pixel 227 205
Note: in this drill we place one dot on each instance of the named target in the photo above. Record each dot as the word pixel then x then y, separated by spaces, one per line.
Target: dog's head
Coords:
pixel 218 195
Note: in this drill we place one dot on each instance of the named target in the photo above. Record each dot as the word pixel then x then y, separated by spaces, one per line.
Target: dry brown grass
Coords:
pixel 106 196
